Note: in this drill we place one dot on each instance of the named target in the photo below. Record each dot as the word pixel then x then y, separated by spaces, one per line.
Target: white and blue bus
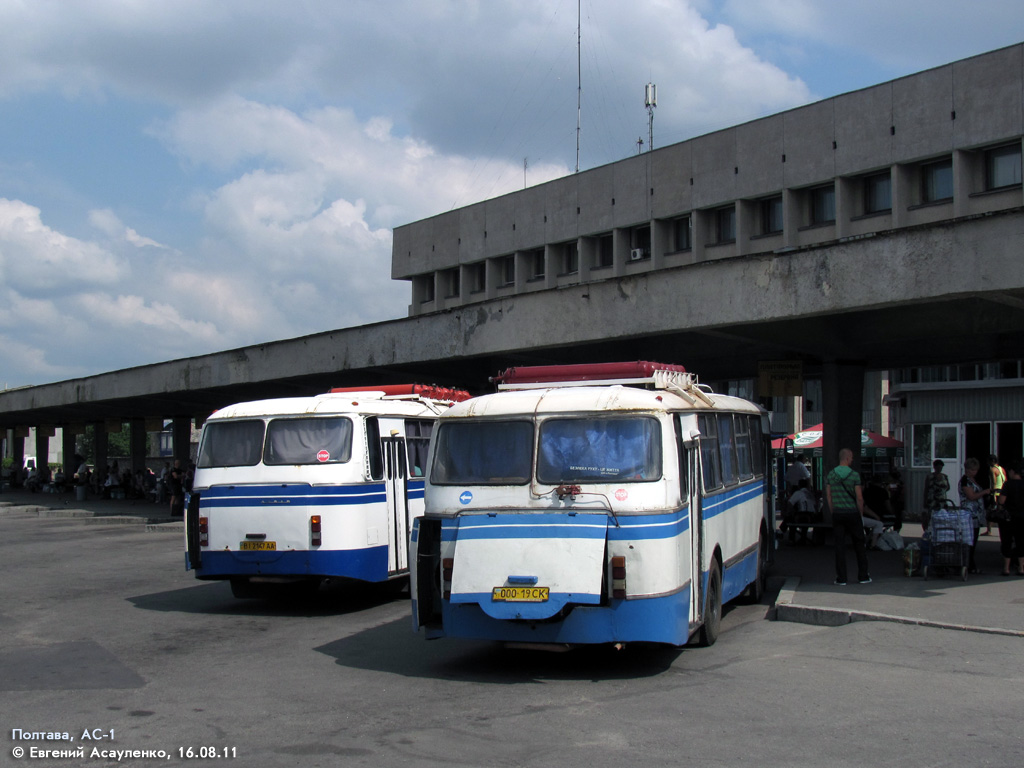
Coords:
pixel 584 504
pixel 295 490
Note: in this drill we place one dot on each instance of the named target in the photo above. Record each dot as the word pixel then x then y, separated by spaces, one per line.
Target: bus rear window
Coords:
pixel 483 453
pixel 231 444
pixel 308 441
pixel 600 450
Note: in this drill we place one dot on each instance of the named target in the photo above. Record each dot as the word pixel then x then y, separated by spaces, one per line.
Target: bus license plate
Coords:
pixel 257 546
pixel 520 594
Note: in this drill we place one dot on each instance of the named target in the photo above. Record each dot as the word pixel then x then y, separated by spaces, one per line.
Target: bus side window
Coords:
pixel 373 449
pixel 709 458
pixel 743 446
pixel 417 438
pixel 684 461
pixel 757 452
pixel 727 448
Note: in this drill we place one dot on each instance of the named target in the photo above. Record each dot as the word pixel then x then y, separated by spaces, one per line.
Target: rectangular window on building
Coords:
pixel 640 243
pixel 477 274
pixel 426 286
pixel 878 193
pixel 605 251
pixel 571 258
pixel 937 181
pixel 725 225
pixel 1002 167
pixel 681 234
pixel 823 205
pixel 507 270
pixel 451 283
pixel 536 261
pixel 771 215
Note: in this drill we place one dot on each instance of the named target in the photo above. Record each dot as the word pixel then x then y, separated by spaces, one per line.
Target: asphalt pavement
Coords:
pixel 987 602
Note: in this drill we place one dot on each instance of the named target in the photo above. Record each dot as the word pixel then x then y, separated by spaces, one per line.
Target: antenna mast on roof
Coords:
pixel 579 84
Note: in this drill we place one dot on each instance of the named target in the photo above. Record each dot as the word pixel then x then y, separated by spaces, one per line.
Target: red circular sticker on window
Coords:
pixel 621 494
pixel 323 455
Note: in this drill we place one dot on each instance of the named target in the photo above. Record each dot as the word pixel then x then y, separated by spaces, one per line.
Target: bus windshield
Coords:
pixel 483 453
pixel 580 450
pixel 232 444
pixel 308 441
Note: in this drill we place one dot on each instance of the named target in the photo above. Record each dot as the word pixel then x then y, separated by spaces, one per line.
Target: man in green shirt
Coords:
pixel 846 500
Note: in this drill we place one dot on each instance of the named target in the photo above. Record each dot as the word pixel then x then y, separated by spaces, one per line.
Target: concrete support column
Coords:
pixel 18 448
pixel 620 251
pixel 182 430
pixel 137 442
pixel 42 446
pixel 964 181
pixel 99 450
pixel 67 439
pixel 792 218
pixel 746 223
pixel 843 394
pixel 903 193
pixel 846 204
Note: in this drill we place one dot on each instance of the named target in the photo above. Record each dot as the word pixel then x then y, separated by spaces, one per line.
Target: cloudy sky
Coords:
pixel 180 177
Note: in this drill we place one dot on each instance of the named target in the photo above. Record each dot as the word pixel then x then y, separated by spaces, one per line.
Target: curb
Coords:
pixel 157 524
pixel 787 610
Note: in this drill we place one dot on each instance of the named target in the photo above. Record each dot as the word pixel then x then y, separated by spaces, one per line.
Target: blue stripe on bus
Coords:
pixel 277 501
pixel 285 494
pixel 718 503
pixel 546 526
pixel 292 490
pixel 562 526
pixel 370 564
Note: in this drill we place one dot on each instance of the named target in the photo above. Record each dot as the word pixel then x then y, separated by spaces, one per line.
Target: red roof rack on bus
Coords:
pixel 444 394
pixel 641 372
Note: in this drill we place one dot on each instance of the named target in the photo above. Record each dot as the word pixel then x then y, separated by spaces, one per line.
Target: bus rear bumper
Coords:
pixel 370 564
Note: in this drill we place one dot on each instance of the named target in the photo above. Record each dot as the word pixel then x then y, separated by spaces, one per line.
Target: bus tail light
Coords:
pixel 314 530
pixel 619 577
pixel 204 531
pixel 447 564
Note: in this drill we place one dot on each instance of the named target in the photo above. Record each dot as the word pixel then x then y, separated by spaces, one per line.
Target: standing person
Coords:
pixel 177 483
pixel 997 476
pixel 936 490
pixel 1011 528
pixel 973 496
pixel 845 498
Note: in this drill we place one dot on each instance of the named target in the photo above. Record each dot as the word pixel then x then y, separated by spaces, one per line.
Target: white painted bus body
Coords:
pixel 338 512
pixel 554 550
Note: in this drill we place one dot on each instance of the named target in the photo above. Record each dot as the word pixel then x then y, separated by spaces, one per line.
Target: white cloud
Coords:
pixel 107 222
pixel 35 258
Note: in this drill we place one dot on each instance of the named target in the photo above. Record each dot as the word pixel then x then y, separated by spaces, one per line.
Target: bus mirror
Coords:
pixel 691 438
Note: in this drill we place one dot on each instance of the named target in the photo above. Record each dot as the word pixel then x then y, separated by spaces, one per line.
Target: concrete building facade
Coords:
pixel 925 149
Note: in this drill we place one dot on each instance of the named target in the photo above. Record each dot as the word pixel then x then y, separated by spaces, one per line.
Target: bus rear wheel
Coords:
pixel 713 608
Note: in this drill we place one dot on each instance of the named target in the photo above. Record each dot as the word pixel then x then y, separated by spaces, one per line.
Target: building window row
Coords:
pixel 783 214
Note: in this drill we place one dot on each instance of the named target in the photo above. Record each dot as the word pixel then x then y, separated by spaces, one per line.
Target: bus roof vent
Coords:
pixel 637 373
pixel 403 391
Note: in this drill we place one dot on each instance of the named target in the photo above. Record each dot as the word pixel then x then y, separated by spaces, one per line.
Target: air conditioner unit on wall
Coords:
pixel 637 253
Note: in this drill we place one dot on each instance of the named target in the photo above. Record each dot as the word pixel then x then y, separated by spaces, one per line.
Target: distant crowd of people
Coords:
pixel 861 509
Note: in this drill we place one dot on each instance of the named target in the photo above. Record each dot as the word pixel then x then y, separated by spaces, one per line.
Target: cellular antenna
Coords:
pixel 650 101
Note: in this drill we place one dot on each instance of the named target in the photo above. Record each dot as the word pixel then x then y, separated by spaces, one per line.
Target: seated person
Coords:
pixel 873 525
pixel 804 508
